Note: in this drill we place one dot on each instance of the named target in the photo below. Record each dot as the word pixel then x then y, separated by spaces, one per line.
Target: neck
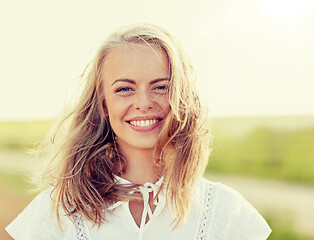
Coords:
pixel 139 165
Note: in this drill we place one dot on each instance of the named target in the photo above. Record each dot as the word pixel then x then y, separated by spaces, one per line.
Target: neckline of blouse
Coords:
pixel 144 189
pixel 125 181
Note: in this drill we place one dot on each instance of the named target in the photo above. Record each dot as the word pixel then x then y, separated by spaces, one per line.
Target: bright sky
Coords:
pixel 253 57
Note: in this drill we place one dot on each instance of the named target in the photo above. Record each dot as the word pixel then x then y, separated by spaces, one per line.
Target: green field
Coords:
pixel 19 136
pixel 283 228
pixel 274 147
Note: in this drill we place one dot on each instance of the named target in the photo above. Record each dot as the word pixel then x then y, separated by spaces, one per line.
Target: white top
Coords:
pixel 217 212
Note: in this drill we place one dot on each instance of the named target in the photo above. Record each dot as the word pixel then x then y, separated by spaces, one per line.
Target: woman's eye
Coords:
pixel 123 89
pixel 162 87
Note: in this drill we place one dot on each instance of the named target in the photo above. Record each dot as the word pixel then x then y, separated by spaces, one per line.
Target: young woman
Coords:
pixel 129 163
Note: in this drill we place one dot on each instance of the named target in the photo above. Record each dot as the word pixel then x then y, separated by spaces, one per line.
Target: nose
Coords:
pixel 143 101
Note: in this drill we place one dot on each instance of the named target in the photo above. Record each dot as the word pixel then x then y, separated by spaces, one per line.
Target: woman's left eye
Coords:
pixel 162 87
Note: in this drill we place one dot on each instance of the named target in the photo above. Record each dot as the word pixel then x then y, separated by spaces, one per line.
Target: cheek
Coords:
pixel 105 109
pixel 163 100
pixel 117 107
pixel 165 106
pixel 108 104
pixel 168 109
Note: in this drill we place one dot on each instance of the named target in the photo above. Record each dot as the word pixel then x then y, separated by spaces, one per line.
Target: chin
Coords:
pixel 139 143
pixel 145 144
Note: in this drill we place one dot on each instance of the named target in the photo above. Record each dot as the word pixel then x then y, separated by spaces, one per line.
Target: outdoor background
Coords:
pixel 255 67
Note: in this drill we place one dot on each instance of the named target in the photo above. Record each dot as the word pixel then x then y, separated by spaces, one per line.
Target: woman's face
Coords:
pixel 136 79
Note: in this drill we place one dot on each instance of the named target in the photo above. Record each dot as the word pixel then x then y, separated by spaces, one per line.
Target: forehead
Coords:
pixel 136 61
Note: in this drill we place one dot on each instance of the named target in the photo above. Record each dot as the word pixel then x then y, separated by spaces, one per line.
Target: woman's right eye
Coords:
pixel 124 89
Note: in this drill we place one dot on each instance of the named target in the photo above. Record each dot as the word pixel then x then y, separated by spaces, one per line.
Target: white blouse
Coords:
pixel 217 213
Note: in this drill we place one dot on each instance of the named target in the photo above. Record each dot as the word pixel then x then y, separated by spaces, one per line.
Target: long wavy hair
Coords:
pixel 85 159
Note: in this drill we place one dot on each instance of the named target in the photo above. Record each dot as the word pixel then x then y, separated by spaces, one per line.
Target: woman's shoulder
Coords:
pixel 38 220
pixel 223 194
pixel 219 193
pixel 218 187
pixel 230 213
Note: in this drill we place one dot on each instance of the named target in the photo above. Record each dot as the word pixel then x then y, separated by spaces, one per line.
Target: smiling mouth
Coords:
pixel 144 123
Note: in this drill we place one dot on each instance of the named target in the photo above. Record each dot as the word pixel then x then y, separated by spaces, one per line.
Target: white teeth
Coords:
pixel 143 123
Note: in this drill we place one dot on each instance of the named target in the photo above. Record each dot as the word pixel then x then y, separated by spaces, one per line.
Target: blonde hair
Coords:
pixel 85 160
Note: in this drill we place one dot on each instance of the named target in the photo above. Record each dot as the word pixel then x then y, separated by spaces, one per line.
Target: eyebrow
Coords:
pixel 133 82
